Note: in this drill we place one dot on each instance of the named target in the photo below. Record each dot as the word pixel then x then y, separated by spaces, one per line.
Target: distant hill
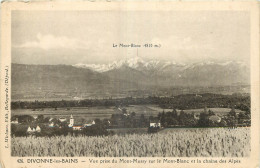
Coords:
pixel 55 77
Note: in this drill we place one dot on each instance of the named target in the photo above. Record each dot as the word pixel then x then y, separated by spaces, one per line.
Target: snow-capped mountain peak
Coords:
pixel 134 62
pixel 139 63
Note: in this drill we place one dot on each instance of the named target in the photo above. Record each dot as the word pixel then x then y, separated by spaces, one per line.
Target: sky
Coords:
pixel 72 37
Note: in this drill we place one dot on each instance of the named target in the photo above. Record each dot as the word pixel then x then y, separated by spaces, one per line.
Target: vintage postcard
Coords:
pixel 129 84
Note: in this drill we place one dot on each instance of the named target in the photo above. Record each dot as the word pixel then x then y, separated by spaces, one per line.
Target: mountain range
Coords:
pixel 130 74
pixel 135 63
pixel 148 65
pixel 167 73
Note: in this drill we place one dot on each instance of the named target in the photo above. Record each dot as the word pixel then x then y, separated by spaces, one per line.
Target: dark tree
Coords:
pixel 40 118
pixel 233 113
pixel 163 119
pixel 204 120
pixel 25 119
pixel 211 113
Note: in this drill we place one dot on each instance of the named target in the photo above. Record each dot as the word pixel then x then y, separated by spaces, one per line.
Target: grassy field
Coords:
pixel 122 131
pixel 91 113
pixel 192 142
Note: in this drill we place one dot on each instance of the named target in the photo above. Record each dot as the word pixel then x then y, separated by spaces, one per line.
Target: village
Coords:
pixel 36 123
pixel 28 125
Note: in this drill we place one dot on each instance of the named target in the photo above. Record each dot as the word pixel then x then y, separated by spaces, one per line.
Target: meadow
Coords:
pixel 185 142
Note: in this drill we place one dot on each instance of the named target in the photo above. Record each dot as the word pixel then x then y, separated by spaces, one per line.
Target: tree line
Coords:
pixel 186 101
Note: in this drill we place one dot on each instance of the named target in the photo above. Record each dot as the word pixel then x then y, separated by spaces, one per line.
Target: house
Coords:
pixel 33 130
pixel 196 116
pixel 15 121
pixel 215 119
pixel 155 123
pixel 29 130
pixel 38 129
pixel 62 119
pixel 51 124
pixel 77 127
pixel 90 124
pixel 126 114
pixel 198 95
pixel 87 125
pixel 73 125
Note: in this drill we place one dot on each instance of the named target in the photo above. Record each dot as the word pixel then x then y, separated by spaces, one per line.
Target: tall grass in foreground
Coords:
pixel 214 142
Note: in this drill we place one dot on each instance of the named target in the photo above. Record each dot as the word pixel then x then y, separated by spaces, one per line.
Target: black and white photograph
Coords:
pixel 131 84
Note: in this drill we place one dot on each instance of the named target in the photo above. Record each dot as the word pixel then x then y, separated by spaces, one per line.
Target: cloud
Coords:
pixel 48 42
